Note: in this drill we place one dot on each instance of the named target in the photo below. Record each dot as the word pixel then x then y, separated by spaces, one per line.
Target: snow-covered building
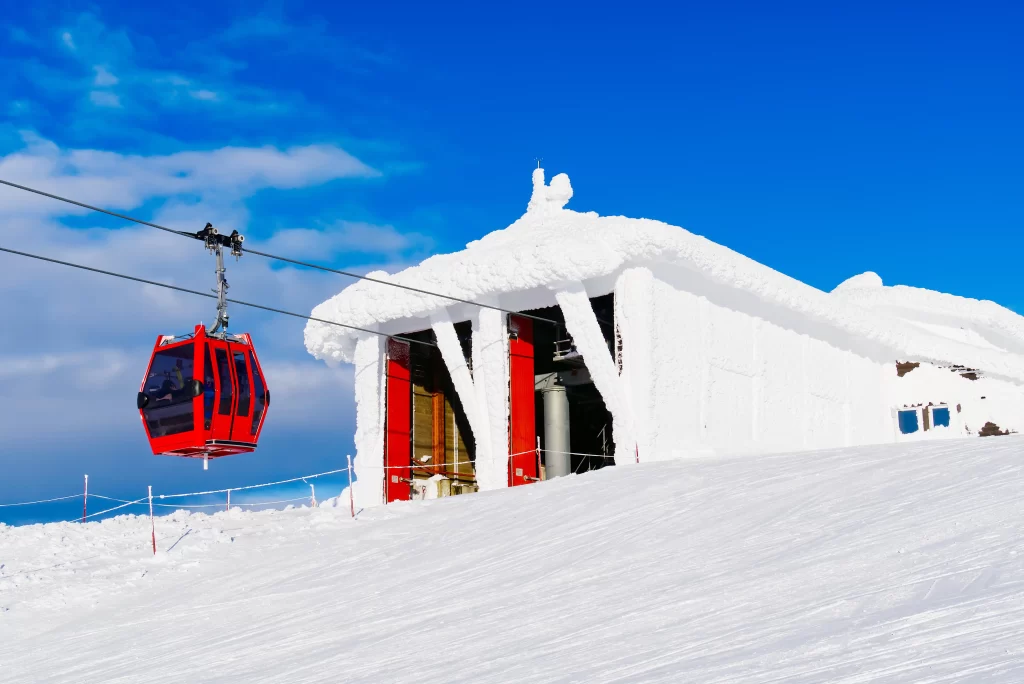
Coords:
pixel 584 340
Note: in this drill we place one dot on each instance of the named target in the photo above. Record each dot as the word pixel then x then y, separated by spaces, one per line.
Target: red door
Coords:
pixel 241 426
pixel 398 424
pixel 224 406
pixel 522 432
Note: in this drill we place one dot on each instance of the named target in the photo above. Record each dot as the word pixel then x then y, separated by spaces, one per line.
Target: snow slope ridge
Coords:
pixel 549 245
pixel 981 323
pixel 882 564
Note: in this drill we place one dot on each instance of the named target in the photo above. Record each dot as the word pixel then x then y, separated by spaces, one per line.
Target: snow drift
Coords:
pixel 881 564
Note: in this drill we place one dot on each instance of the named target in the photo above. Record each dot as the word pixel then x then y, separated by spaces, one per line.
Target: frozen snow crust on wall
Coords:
pixel 521 266
pixel 883 564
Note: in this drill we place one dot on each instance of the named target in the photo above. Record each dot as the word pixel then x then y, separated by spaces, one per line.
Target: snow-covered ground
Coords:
pixel 897 563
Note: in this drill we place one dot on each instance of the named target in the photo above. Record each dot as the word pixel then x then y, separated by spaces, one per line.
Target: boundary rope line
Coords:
pixel 213 505
pixel 296 262
pixel 255 486
pixel 267 503
pixel 124 502
pixel 115 508
pixel 41 501
pixel 233 504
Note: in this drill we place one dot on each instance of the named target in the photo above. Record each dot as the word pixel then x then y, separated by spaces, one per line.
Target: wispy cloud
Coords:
pixel 273 30
pixel 100 68
pixel 105 98
pixel 174 131
pixel 119 180
pixel 91 335
pixel 348 237
pixel 103 77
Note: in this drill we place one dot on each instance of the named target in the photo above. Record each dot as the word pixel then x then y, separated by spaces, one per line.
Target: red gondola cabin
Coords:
pixel 203 396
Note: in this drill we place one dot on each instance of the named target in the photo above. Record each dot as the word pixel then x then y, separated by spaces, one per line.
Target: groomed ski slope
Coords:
pixel 885 564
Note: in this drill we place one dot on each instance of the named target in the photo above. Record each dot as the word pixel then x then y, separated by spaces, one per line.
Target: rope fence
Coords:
pixel 228 490
pixel 41 501
pixel 152 500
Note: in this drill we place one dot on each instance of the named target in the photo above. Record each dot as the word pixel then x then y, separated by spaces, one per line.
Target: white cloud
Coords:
pixel 77 369
pixel 103 98
pixel 121 181
pixel 114 55
pixel 343 237
pixel 103 77
pixel 75 376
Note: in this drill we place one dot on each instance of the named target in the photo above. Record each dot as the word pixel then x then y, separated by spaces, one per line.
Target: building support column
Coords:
pixel 367 490
pixel 581 323
pixel 491 378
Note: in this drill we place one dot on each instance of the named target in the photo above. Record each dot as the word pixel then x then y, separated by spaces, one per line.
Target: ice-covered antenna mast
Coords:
pixel 215 243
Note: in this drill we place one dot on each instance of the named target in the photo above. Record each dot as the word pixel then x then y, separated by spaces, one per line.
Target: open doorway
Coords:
pixel 573 423
pixel 435 455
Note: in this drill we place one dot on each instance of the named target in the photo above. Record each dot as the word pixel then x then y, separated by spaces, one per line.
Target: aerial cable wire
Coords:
pixel 211 296
pixel 296 262
pixel 90 207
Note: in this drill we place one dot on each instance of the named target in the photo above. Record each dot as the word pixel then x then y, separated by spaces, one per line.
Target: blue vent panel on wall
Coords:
pixel 908 421
pixel 940 416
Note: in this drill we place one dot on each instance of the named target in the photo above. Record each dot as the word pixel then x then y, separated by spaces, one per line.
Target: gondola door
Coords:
pixel 224 406
pixel 241 426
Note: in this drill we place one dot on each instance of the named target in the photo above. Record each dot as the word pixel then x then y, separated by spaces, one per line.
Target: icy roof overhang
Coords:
pixel 519 267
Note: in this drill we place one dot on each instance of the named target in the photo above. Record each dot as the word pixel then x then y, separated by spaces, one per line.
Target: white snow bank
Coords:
pixel 884 564
pixel 866 280
pixel 519 267
pixel 979 323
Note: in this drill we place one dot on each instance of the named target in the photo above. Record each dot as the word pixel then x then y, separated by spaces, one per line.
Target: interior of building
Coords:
pixel 439 438
pixel 571 416
pixel 429 447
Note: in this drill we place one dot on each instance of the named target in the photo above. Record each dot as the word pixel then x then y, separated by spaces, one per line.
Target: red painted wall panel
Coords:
pixel 522 421
pixel 398 423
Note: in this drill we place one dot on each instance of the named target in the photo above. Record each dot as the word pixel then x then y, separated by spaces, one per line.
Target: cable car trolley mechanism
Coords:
pixel 204 394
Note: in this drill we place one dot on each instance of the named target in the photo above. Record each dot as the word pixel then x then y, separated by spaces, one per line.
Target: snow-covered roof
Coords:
pixel 984 324
pixel 518 267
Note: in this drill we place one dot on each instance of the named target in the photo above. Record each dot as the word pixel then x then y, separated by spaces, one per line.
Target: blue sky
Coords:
pixel 822 141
